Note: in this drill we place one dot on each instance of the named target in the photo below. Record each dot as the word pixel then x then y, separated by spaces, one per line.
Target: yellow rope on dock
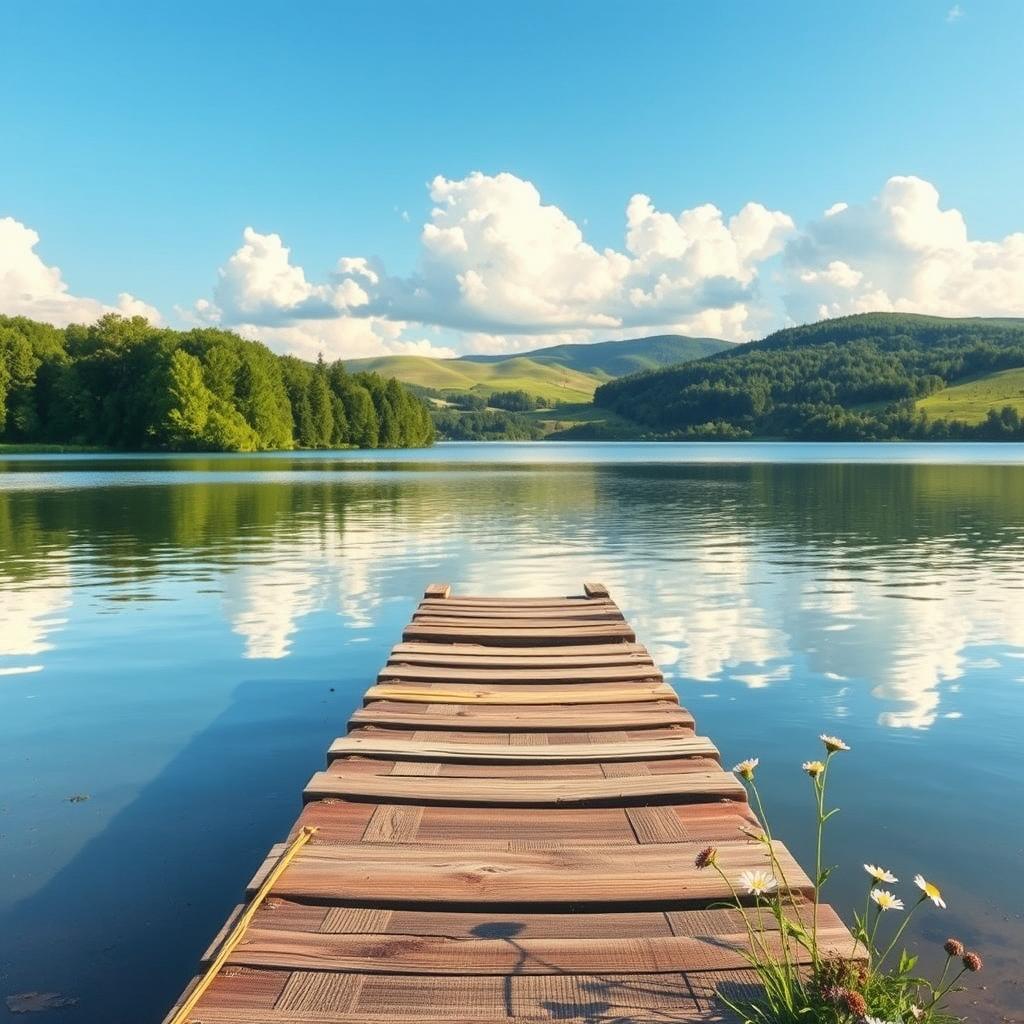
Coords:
pixel 241 925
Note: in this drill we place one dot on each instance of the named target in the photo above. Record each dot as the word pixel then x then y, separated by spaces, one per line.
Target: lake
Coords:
pixel 181 637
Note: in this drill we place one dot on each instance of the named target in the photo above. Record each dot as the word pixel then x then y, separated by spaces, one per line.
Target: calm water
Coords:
pixel 180 638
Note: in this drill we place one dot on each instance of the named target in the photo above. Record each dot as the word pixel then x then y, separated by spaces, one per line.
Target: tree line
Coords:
pixel 123 383
pixel 853 378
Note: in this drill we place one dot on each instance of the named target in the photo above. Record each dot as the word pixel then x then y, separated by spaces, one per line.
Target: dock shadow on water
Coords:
pixel 121 927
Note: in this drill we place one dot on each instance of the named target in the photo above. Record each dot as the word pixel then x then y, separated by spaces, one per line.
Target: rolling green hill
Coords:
pixel 972 400
pixel 561 373
pixel 870 376
pixel 609 359
pixel 516 373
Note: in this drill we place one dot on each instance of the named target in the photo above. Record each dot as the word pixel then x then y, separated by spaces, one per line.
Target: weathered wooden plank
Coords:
pixel 449 1015
pixel 408 954
pixel 618 648
pixel 576 622
pixel 520 602
pixel 435 657
pixel 688 787
pixel 595 590
pixel 548 616
pixel 562 676
pixel 288 915
pixel 615 999
pixel 496 828
pixel 510 636
pixel 361 767
pixel 461 717
pixel 411 874
pixel 538 693
pixel 437 591
pixel 505 753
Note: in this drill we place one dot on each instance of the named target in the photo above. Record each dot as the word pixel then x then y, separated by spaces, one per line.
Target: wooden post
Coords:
pixel 438 590
pixel 595 590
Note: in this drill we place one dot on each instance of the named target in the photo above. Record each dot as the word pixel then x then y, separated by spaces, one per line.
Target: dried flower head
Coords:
pixel 832 994
pixel 706 857
pixel 972 962
pixel 931 892
pixel 746 768
pixel 953 947
pixel 834 974
pixel 879 874
pixel 853 1002
pixel 813 768
pixel 832 743
pixel 916 1011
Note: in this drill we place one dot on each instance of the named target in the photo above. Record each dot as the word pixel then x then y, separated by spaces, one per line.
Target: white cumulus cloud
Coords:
pixel 29 287
pixel 901 251
pixel 499 270
pixel 504 269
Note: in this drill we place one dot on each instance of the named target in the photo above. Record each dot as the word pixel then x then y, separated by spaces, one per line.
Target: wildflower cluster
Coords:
pixel 856 986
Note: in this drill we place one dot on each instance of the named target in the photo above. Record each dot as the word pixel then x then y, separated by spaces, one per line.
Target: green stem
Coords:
pixel 743 912
pixel 941 993
pixel 864 925
pixel 874 930
pixel 945 971
pixel 899 931
pixel 820 789
pixel 773 859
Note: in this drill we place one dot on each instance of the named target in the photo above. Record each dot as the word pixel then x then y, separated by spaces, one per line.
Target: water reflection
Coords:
pixel 145 614
pixel 884 575
pixel 31 613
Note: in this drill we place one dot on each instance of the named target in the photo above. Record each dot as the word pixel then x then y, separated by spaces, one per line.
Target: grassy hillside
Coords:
pixel 972 400
pixel 512 374
pixel 857 377
pixel 561 373
pixel 609 359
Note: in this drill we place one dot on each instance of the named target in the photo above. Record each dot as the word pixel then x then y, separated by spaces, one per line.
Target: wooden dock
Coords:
pixel 507 832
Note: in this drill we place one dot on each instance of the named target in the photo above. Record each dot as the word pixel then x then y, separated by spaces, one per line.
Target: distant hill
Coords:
pixel 870 376
pixel 609 359
pixel 564 373
pixel 517 373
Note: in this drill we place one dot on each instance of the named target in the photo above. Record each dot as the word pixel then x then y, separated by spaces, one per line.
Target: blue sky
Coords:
pixel 142 139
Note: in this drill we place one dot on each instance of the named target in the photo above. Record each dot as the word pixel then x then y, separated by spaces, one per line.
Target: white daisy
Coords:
pixel 886 900
pixel 832 743
pixel 880 874
pixel 758 882
pixel 930 891
pixel 746 768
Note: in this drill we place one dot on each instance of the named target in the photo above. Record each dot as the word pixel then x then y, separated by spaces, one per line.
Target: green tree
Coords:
pixel 320 406
pixel 189 401
pixel 123 383
pixel 340 437
pixel 363 429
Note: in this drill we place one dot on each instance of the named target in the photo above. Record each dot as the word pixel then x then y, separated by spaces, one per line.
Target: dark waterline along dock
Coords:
pixel 507 832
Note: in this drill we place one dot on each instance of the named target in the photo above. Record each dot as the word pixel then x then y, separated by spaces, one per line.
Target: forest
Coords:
pixel 124 384
pixel 852 378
